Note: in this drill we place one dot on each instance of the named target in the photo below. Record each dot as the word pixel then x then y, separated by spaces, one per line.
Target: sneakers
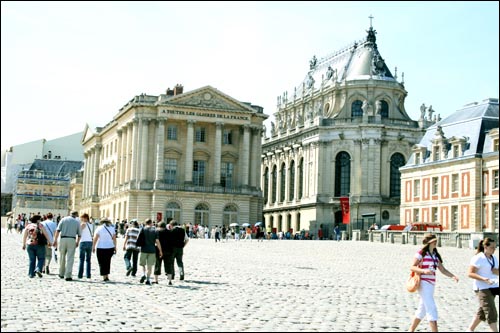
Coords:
pixel 61 276
pixel 129 271
pixel 181 278
pixel 148 282
pixel 143 278
pixel 69 279
pixel 47 271
pixel 39 274
pixel 155 282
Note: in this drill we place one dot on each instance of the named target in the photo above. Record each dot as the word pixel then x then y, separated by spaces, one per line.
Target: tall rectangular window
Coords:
pixel 226 177
pixel 454 218
pixel 455 151
pixel 435 185
pixel 417 158
pixel 199 173
pixel 495 145
pixel 200 135
pixel 170 171
pixel 435 214
pixel 227 137
pixel 494 184
pixel 416 185
pixel 454 182
pixel 172 132
pixel 495 216
pixel 416 215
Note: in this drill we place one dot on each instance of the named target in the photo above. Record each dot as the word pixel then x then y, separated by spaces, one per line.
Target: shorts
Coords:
pixel 147 259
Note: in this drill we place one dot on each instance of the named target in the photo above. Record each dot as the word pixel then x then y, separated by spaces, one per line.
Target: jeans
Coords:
pixel 35 252
pixel 134 255
pixel 176 255
pixel 85 255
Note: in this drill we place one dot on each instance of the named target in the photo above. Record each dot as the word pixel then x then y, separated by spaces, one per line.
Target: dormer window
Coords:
pixel 495 145
pixel 418 157
pixel 456 149
pixel 435 153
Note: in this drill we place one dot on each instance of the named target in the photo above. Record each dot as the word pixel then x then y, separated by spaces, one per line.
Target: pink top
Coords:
pixel 430 261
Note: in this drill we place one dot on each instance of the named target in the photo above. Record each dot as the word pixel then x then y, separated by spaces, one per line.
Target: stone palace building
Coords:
pixel 343 131
pixel 191 156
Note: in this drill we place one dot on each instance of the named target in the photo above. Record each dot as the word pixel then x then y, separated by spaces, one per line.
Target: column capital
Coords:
pixel 119 131
pixel 191 121
pixel 219 124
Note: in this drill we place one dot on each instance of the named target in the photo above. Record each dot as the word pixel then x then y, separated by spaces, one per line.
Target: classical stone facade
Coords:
pixel 343 132
pixel 452 176
pixel 191 156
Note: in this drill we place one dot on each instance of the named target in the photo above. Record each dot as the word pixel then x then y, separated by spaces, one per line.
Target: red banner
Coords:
pixel 346 215
pixel 158 216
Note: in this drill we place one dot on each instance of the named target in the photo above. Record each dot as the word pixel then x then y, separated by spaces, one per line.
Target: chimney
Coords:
pixel 170 92
pixel 178 89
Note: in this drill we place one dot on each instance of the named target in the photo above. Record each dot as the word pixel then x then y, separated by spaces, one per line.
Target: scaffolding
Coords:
pixel 41 191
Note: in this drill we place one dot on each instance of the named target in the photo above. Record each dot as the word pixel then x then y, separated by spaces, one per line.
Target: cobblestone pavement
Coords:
pixel 239 286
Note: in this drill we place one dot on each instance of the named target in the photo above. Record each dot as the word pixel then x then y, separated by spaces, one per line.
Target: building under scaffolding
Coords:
pixel 45 187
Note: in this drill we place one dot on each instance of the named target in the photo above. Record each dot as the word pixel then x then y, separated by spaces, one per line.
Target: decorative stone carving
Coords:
pixel 313 62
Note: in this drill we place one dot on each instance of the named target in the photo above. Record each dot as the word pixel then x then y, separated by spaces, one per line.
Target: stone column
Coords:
pixel 85 174
pixel 270 183
pixel 130 137
pixel 160 146
pixel 119 159
pixel 134 148
pixel 124 158
pixel 245 155
pixel 218 152
pixel 255 160
pixel 188 178
pixel 143 162
pixel 97 157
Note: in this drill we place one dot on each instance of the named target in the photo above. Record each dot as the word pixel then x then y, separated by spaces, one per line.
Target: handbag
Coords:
pixel 413 282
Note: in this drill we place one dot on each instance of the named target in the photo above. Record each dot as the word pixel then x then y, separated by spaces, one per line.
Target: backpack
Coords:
pixel 36 236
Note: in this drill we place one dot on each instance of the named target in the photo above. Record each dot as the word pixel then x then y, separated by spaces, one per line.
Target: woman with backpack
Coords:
pixel 36 238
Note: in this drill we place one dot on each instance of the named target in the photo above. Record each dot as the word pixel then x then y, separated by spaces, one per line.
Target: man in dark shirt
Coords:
pixel 178 239
pixel 148 250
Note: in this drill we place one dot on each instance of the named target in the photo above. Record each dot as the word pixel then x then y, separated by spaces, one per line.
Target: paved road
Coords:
pixel 240 286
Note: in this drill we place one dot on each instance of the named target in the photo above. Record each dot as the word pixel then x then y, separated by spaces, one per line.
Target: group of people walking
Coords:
pixel 482 270
pixel 151 245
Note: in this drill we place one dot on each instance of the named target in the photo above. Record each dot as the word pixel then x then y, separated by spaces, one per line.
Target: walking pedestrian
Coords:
pixel 51 227
pixel 179 241
pixel 148 251
pixel 425 263
pixel 105 243
pixel 162 236
pixel 87 230
pixel 69 229
pixel 130 248
pixel 36 238
pixel 483 268
pixel 337 232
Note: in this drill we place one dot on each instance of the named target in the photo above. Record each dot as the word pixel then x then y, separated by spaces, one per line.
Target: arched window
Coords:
pixel 397 161
pixel 356 110
pixel 384 111
pixel 266 185
pixel 201 214
pixel 274 180
pixel 291 177
pixel 230 215
pixel 342 174
pixel 173 212
pixel 282 182
pixel 301 176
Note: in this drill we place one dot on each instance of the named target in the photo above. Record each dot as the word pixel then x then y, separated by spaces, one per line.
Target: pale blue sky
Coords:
pixel 68 64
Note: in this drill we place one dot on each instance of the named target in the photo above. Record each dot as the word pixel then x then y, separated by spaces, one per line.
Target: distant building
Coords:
pixel 45 187
pixel 342 132
pixel 20 157
pixel 193 156
pixel 452 176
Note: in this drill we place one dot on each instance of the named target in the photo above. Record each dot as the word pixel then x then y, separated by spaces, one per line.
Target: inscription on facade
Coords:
pixel 209 115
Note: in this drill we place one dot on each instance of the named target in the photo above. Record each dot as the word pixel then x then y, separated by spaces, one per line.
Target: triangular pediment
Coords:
pixel 209 98
pixel 88 133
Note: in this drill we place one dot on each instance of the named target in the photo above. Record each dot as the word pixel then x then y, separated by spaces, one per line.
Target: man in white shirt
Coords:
pixel 50 226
